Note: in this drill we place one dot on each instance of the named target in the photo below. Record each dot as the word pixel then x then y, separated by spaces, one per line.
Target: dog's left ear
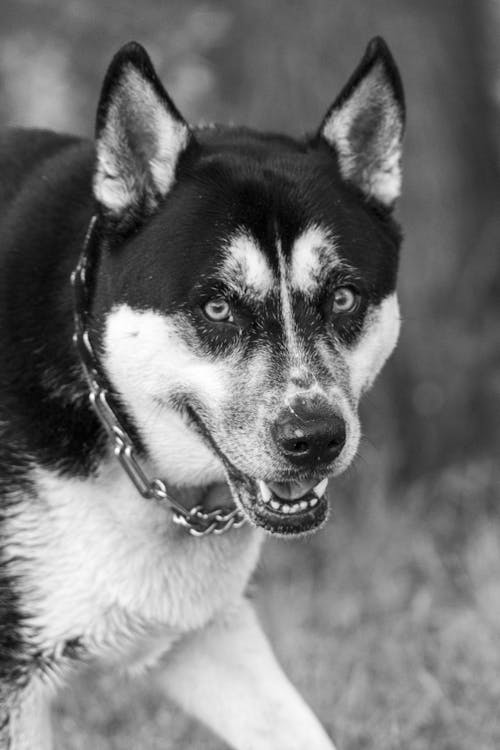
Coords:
pixel 140 136
pixel 365 125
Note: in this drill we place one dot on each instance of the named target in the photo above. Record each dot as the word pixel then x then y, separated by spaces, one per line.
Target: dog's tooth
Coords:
pixel 265 491
pixel 303 504
pixel 285 508
pixel 320 488
pixel 275 505
pixel 314 501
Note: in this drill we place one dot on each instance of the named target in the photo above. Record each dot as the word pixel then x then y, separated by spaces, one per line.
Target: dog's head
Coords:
pixel 246 290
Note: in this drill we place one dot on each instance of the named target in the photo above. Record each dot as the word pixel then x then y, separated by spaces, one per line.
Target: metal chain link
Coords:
pixel 196 521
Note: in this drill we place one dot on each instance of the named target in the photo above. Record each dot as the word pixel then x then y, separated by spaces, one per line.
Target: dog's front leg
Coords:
pixel 228 677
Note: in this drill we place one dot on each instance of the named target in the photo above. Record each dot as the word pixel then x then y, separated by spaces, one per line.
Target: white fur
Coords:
pixel 379 337
pixel 147 357
pixel 245 268
pixel 385 183
pixel 103 565
pixel 295 358
pixel 100 563
pixel 135 105
pixel 313 254
pixel 111 189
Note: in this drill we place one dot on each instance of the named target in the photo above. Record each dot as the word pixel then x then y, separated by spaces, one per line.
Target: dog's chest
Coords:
pixel 100 565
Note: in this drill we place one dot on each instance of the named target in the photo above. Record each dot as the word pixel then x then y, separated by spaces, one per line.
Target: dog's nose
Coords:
pixel 309 434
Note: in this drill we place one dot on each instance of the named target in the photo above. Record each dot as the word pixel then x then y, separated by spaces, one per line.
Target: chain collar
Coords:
pixel 196 521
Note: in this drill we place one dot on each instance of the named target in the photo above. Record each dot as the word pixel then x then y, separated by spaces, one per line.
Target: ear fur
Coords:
pixel 140 135
pixel 365 125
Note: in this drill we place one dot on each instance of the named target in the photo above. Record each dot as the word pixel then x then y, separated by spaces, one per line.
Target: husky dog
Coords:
pixel 234 298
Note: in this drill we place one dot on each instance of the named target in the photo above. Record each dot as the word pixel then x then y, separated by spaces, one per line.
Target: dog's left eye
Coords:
pixel 218 310
pixel 345 300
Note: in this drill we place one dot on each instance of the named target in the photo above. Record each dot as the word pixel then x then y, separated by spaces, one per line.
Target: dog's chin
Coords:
pixel 280 508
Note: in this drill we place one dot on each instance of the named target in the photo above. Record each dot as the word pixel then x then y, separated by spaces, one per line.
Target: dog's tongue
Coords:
pixel 291 490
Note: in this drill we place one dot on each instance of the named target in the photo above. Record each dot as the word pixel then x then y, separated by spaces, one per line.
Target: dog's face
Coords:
pixel 247 286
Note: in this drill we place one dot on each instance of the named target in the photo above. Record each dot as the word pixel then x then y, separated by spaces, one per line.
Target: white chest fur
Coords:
pixel 99 563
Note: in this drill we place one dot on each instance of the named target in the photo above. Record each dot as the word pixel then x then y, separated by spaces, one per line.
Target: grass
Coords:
pixel 388 620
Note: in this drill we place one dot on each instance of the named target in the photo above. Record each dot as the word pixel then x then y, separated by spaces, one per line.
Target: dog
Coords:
pixel 188 318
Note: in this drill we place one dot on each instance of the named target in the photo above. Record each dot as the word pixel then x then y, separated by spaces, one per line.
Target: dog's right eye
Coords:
pixel 218 310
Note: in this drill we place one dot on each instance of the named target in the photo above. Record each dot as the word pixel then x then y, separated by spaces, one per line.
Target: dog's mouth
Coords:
pixel 284 508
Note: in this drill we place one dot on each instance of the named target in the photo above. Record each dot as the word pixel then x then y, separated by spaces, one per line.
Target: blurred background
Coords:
pixel 388 620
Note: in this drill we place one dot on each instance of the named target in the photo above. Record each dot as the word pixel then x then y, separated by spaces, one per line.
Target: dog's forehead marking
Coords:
pixel 313 254
pixel 289 324
pixel 245 266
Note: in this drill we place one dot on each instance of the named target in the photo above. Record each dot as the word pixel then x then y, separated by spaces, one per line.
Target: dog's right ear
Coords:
pixel 365 126
pixel 140 136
